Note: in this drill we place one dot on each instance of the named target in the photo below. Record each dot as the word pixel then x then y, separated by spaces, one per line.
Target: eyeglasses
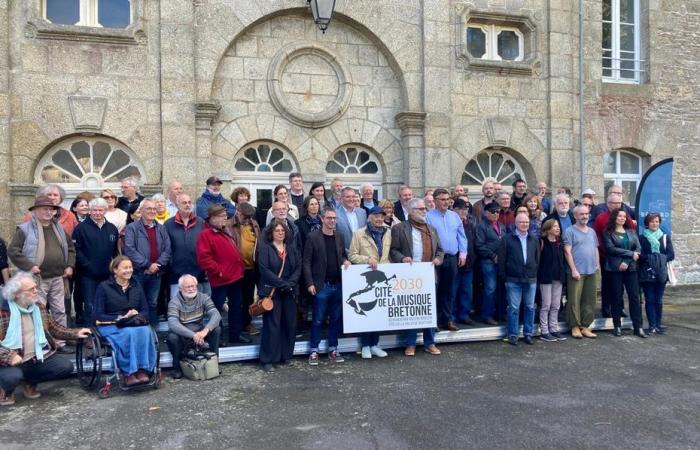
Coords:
pixel 107 197
pixel 420 209
pixel 495 211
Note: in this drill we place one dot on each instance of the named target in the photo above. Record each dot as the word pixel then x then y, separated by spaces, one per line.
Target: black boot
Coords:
pixel 617 331
pixel 177 371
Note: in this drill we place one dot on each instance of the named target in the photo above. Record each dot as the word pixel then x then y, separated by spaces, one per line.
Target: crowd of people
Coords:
pixel 120 264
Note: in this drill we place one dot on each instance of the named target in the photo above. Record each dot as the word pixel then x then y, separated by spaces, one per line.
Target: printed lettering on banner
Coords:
pixel 392 297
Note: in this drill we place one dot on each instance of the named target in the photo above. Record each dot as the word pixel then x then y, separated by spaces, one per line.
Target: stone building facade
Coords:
pixel 395 92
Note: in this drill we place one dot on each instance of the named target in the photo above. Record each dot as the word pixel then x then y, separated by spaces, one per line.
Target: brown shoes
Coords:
pixel 6 400
pixel 588 333
pixel 251 330
pixel 576 332
pixel 30 391
pixel 433 350
pixel 451 326
pixel 410 351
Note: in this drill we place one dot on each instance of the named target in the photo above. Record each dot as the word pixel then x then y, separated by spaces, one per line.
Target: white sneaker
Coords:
pixel 378 352
pixel 366 353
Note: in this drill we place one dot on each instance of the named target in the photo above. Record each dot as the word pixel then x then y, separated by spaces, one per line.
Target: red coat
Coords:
pixel 219 257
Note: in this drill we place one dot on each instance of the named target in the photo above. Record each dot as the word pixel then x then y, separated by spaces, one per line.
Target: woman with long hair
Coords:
pixel 280 268
pixel 318 190
pixel 622 249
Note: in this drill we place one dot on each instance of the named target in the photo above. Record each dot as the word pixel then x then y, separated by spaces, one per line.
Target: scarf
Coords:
pixel 654 237
pixel 13 338
pixel 314 222
pixel 377 235
pixel 427 255
pixel 162 217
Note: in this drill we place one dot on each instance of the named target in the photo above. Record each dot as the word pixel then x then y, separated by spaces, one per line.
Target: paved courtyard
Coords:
pixel 611 392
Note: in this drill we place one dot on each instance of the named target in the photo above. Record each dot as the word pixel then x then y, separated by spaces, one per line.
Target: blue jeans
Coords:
pixel 489 275
pixel 516 293
pixel 654 302
pixel 151 287
pixel 464 294
pixel 411 336
pixel 328 301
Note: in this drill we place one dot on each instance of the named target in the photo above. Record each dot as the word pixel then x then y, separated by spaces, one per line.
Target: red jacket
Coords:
pixel 219 257
pixel 599 226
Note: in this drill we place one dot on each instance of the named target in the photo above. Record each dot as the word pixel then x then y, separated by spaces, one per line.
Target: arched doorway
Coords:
pixel 260 166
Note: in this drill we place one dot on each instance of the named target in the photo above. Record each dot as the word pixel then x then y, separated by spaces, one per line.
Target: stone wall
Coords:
pixel 657 119
pixel 190 84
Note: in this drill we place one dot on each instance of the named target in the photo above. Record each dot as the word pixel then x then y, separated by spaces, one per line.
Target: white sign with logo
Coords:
pixel 392 297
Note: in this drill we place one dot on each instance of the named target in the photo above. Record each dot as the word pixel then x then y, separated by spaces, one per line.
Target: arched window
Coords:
pixel 88 163
pixel 491 164
pixel 355 165
pixel 625 169
pixel 260 166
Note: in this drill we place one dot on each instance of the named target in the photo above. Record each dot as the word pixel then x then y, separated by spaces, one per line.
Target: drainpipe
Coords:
pixel 581 139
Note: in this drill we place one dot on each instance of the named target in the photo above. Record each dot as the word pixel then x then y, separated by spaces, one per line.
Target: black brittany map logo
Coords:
pixel 372 278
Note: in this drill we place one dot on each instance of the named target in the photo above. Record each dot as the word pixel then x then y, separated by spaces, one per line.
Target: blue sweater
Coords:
pixel 208 199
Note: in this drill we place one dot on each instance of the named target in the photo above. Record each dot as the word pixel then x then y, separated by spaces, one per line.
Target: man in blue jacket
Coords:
pixel 183 230
pixel 212 196
pixel 147 244
pixel 519 257
pixel 95 245
pixel 350 217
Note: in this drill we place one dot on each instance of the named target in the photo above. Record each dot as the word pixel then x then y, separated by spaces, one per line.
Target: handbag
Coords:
pixel 134 321
pixel 671 270
pixel 198 364
pixel 265 304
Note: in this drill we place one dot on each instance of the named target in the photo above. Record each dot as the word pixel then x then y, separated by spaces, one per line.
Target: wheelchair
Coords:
pixel 90 357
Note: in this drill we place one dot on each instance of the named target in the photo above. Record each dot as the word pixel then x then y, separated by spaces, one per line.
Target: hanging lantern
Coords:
pixel 322 11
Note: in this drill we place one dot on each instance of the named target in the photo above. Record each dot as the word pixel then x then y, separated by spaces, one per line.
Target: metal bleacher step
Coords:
pixel 388 341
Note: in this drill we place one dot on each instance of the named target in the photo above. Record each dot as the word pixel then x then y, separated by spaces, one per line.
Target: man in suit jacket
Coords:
pixel 519 257
pixel 401 205
pixel 350 217
pixel 409 243
pixel 324 258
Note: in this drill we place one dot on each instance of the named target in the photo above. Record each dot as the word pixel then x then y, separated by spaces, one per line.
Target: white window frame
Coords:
pixel 253 180
pixel 618 177
pixel 615 70
pixel 475 189
pixel 355 180
pixel 90 181
pixel 492 31
pixel 89 13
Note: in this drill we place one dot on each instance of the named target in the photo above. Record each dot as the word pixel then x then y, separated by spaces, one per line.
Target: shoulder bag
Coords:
pixel 265 304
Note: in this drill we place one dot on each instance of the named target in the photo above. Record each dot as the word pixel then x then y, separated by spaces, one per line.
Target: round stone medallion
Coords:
pixel 308 85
